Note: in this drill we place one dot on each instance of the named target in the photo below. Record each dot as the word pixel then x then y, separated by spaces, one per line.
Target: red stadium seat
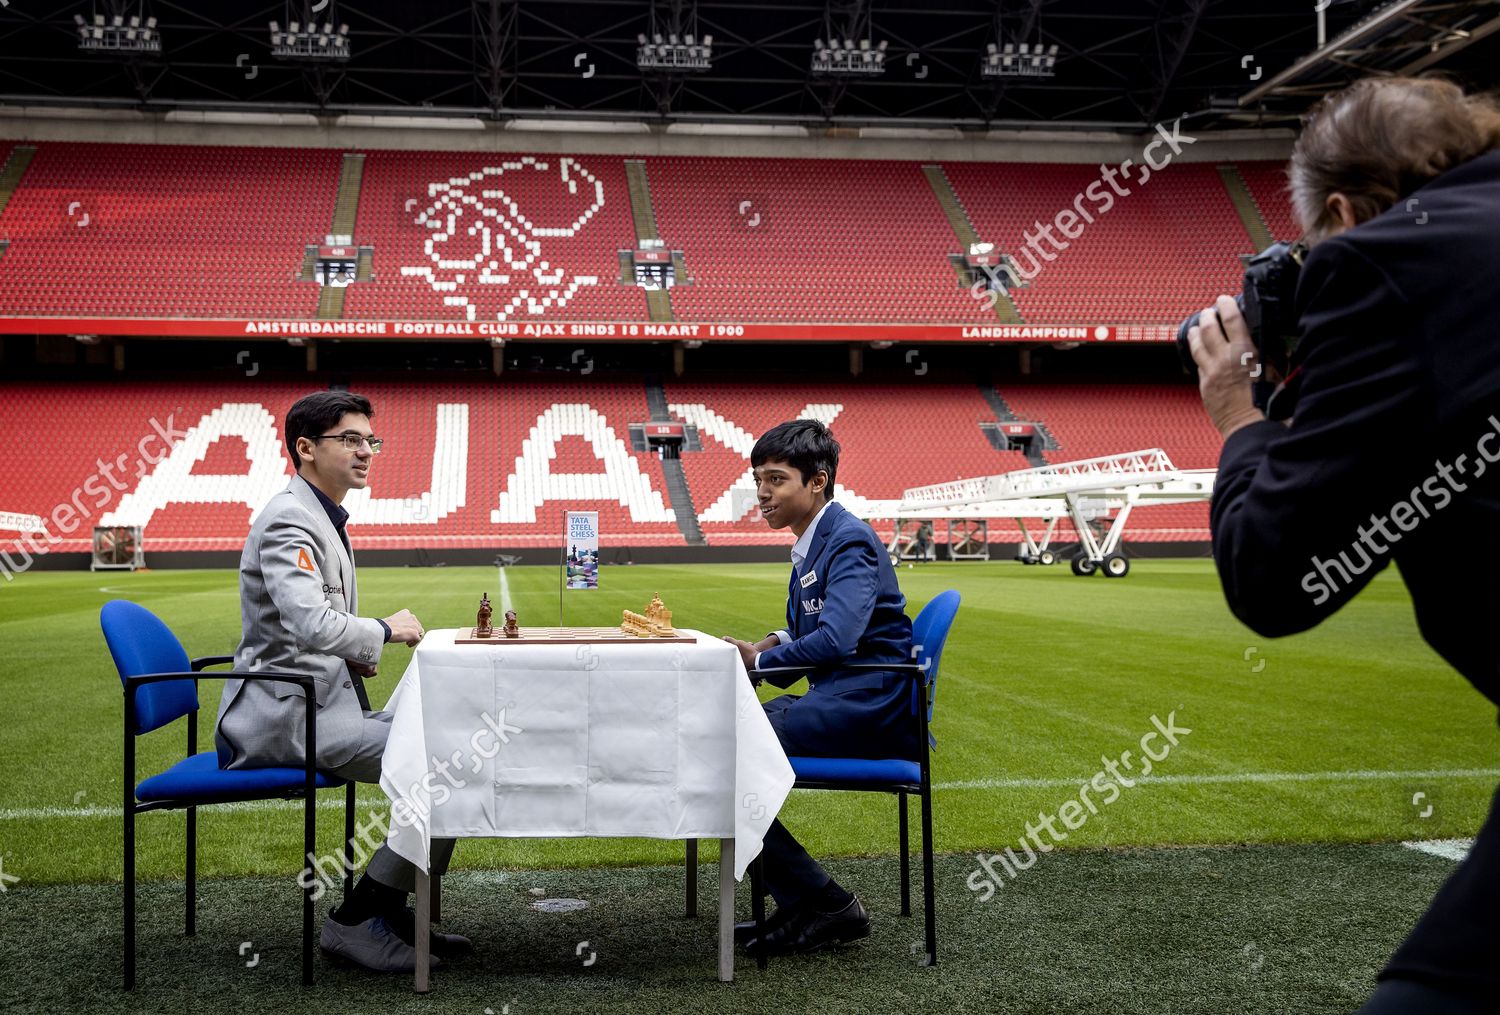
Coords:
pixel 501 462
pixel 176 231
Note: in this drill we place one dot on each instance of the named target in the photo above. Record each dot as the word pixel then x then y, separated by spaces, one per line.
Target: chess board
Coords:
pixel 572 636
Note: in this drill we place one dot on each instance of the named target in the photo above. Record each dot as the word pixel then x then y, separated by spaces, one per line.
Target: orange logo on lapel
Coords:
pixel 304 561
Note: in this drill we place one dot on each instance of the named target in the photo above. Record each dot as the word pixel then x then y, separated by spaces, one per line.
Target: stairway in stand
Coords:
pixel 942 189
pixel 1245 206
pixel 346 207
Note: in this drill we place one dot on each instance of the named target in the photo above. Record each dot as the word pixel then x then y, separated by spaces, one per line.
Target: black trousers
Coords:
pixel 1448 964
pixel 1406 997
pixel 861 721
pixel 791 874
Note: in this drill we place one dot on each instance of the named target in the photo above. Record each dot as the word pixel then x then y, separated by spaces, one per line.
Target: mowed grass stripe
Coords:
pixel 1236 777
pixel 1254 931
pixel 1045 674
pixel 331 804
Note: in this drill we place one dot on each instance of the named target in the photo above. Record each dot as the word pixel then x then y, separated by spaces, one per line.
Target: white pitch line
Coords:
pixel 505 603
pixel 1447 849
pixel 37 813
pixel 1234 777
pixel 243 806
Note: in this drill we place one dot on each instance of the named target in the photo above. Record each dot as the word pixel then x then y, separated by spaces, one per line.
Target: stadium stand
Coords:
pixel 476 464
pixel 894 435
pixel 1093 420
pixel 1090 420
pixel 816 241
pixel 1173 242
pixel 1267 183
pixel 466 464
pixel 169 231
pixel 566 220
pixel 210 232
pixel 174 231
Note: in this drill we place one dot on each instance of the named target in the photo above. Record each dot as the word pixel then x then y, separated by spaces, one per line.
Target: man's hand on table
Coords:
pixel 405 628
pixel 749 651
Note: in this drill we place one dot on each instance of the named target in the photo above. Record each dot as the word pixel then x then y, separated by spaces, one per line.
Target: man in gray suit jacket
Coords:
pixel 298 605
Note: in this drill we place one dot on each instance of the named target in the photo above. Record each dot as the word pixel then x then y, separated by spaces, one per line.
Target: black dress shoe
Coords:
pixel 444 946
pixel 809 929
pixel 743 932
pixel 822 930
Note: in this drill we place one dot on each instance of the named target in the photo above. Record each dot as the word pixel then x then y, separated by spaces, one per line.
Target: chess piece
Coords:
pixel 482 628
pixel 660 616
pixel 656 622
pixel 511 628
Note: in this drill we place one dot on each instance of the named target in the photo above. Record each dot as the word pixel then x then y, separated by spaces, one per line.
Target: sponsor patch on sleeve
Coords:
pixel 304 562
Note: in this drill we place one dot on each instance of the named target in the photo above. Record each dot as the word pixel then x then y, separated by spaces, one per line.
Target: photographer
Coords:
pixel 1392 447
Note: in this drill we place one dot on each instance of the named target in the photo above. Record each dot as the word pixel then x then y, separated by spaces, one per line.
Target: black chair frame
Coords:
pixel 921 789
pixel 307 793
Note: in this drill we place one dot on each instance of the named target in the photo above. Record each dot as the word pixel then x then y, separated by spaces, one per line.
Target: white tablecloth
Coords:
pixel 652 740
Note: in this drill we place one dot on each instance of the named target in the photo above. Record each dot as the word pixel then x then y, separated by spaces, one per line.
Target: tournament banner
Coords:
pixel 583 549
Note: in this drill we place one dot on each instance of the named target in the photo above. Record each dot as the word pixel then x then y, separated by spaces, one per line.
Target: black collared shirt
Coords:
pixel 339 517
pixel 336 514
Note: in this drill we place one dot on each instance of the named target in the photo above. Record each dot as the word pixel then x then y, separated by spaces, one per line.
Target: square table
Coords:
pixel 641 739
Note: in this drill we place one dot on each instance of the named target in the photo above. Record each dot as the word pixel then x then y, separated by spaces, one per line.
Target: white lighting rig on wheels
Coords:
pixel 1081 491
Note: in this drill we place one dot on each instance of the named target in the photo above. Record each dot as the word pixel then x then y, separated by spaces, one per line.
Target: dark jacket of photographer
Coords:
pixel 1394 448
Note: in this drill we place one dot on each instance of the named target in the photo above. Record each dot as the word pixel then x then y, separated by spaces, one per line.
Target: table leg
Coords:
pixel 692 877
pixel 758 905
pixel 423 931
pixel 726 910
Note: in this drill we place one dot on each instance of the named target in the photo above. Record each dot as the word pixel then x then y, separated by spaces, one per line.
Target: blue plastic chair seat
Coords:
pixel 142 646
pixel 200 777
pixel 852 772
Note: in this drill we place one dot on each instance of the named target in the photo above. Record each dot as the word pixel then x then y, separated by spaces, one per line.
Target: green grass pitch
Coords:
pixel 1308 746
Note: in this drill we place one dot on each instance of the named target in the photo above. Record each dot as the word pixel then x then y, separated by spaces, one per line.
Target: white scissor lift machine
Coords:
pixel 1081 490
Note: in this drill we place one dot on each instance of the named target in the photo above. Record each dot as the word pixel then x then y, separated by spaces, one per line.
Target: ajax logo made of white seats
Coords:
pixel 486 232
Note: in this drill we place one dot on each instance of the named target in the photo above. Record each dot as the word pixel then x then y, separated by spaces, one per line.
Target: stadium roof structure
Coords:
pixel 1118 65
pixel 1405 37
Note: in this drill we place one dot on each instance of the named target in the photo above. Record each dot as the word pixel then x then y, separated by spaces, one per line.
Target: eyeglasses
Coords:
pixel 352 441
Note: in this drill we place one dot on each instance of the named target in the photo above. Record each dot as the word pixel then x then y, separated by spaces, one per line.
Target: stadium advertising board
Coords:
pixel 567 331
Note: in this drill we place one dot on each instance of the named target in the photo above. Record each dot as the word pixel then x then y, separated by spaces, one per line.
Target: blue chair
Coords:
pixel 896 775
pixel 161 686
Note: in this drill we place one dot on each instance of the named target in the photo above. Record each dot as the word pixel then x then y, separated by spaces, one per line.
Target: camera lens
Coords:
pixel 1184 348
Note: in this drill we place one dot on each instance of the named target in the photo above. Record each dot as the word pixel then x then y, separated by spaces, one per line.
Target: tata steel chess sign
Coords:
pixel 582 549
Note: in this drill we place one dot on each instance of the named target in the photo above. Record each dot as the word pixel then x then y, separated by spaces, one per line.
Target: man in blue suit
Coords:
pixel 843 608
